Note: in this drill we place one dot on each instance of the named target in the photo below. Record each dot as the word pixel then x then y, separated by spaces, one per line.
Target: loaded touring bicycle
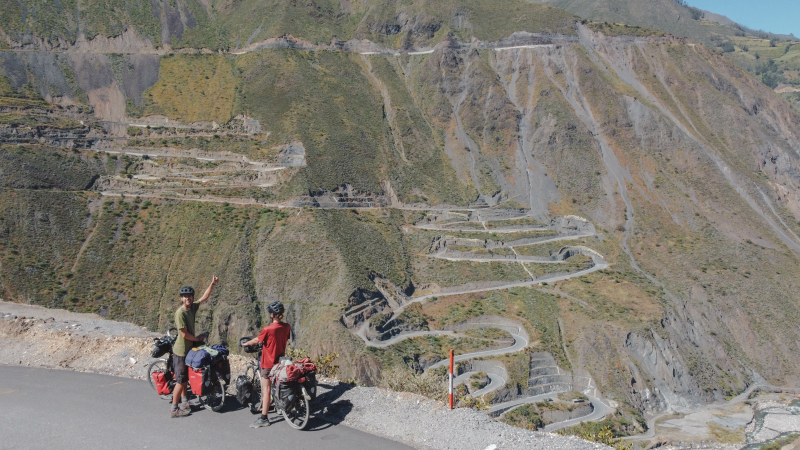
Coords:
pixel 294 386
pixel 208 380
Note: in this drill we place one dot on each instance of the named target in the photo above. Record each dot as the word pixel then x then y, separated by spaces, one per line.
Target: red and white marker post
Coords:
pixel 451 379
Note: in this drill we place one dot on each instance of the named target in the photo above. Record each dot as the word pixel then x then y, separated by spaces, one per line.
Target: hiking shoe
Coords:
pixel 185 407
pixel 260 423
pixel 178 413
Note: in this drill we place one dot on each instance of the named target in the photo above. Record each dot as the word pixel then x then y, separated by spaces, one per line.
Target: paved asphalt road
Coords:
pixel 59 409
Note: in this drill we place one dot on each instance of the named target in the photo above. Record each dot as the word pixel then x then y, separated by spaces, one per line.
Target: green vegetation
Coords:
pixel 546 248
pixel 624 422
pixel 780 443
pixel 420 165
pixel 726 435
pixel 410 353
pixel 489 333
pixel 537 310
pixel 532 416
pixel 454 273
pixel 53 21
pixel 376 20
pixel 523 222
pixel 432 385
pixel 230 24
pixel 616 29
pixel 252 146
pixel 192 88
pixel 370 244
pixel 340 125
pixel 600 432
pixel 43 234
pixel 502 237
pixel 526 416
pixel 44 168
pixel 773 64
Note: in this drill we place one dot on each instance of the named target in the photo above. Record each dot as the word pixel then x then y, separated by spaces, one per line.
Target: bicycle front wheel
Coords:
pixel 297 415
pixel 159 366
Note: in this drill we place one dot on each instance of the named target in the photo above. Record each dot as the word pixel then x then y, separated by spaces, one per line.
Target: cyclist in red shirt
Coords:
pixel 273 338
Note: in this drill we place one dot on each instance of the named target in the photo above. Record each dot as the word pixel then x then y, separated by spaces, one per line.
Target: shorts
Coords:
pixel 265 372
pixel 179 369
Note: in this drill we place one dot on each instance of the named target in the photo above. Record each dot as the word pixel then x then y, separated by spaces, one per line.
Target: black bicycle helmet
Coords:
pixel 187 290
pixel 275 308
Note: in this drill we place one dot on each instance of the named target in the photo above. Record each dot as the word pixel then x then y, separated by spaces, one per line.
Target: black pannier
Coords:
pixel 244 390
pixel 286 394
pixel 311 384
pixel 223 368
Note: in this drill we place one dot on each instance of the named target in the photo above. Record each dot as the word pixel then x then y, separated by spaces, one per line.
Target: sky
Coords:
pixel 775 16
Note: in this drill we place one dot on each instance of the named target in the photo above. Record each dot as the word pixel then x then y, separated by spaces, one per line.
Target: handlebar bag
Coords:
pixel 162 346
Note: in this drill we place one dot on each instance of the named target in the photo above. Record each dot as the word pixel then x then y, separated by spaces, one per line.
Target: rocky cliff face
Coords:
pixel 686 166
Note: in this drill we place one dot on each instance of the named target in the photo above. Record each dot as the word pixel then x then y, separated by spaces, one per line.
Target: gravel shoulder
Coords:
pixel 39 337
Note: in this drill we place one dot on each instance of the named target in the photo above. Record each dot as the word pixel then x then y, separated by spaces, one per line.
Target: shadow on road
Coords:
pixel 231 404
pixel 329 407
pixel 326 410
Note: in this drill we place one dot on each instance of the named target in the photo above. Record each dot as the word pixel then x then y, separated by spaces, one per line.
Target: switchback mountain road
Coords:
pixel 59 409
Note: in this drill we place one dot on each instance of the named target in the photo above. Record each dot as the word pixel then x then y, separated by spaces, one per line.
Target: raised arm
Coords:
pixel 207 293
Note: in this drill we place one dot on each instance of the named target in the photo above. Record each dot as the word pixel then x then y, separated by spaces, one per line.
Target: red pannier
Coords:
pixel 309 378
pixel 305 365
pixel 161 380
pixel 196 380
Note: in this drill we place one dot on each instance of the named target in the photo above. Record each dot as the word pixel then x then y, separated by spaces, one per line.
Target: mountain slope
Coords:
pixel 684 164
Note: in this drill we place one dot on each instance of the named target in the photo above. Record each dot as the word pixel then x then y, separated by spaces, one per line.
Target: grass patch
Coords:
pixel 725 435
pixel 526 416
pixel 192 88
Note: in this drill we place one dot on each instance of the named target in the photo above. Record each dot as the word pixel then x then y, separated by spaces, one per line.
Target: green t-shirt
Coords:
pixel 184 319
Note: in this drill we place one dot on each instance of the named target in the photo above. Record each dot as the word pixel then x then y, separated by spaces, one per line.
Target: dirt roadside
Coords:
pixel 54 338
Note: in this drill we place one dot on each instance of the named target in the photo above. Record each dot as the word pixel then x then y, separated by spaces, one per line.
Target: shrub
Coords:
pixel 603 436
pixel 401 379
pixel 526 416
pixel 324 363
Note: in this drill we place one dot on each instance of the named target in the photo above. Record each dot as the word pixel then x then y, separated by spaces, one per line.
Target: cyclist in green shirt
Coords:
pixel 184 322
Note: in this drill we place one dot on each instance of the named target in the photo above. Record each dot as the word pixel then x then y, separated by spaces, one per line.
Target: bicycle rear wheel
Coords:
pixel 297 414
pixel 159 365
pixel 216 398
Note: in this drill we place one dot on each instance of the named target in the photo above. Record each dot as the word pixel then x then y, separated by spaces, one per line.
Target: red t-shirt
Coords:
pixel 274 338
